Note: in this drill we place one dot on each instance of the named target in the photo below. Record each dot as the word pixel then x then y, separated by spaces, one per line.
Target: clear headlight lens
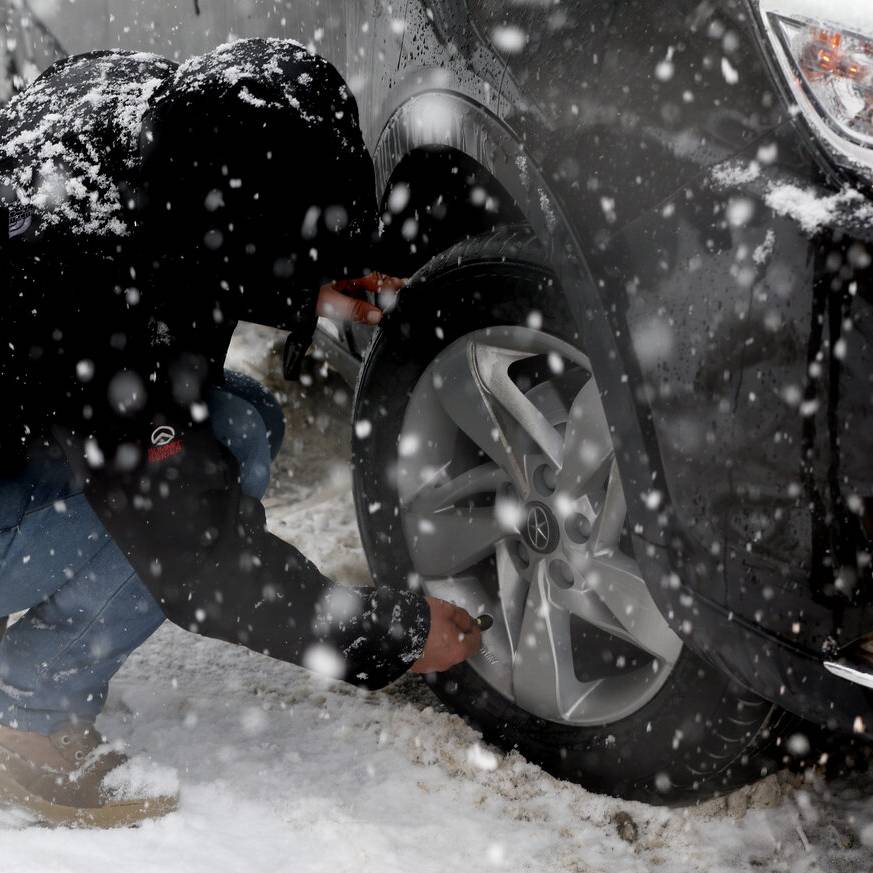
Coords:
pixel 837 66
pixel 829 67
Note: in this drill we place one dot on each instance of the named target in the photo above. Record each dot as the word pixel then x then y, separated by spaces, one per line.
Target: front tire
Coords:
pixel 686 732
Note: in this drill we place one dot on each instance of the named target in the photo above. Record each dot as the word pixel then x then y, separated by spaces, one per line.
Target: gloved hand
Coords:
pixel 345 299
pixel 453 638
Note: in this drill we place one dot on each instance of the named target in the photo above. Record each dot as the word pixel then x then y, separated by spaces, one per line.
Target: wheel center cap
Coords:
pixel 541 529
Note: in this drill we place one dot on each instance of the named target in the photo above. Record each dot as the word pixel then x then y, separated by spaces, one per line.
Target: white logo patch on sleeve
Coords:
pixel 162 436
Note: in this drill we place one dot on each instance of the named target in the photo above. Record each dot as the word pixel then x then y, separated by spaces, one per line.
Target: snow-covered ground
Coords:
pixel 283 771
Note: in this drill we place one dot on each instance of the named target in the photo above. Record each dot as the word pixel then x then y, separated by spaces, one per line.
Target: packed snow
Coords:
pixel 811 210
pixel 281 770
pixel 810 207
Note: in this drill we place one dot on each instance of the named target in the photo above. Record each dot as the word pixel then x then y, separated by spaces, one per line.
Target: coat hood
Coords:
pixel 255 179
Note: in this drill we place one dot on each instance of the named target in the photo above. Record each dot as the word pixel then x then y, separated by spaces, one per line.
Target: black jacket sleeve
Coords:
pixel 202 548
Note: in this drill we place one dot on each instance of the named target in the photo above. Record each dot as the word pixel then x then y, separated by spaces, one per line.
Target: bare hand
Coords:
pixel 453 638
pixel 337 299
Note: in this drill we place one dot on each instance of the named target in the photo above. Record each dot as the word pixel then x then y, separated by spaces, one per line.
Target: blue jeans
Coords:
pixel 87 610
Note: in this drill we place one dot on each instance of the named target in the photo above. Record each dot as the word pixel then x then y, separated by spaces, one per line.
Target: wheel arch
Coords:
pixel 439 123
pixel 446 196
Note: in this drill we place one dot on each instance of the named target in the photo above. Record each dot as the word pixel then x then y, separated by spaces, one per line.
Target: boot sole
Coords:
pixel 113 815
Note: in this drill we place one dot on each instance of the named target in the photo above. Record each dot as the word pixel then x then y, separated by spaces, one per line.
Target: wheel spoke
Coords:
pixel 543 678
pixel 609 524
pixel 585 604
pixel 441 492
pixel 616 580
pixel 467 402
pixel 555 395
pixel 493 367
pixel 587 445
pixel 447 543
pixel 473 385
pixel 513 594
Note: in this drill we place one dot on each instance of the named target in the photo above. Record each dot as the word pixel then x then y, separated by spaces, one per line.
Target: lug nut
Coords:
pixel 561 574
pixel 578 528
pixel 544 480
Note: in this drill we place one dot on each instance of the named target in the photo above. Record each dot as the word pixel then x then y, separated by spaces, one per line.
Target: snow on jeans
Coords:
pixel 87 608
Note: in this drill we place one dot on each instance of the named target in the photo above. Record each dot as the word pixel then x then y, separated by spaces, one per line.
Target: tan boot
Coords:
pixel 72 778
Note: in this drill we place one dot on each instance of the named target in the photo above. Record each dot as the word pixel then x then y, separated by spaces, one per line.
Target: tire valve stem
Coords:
pixel 484 622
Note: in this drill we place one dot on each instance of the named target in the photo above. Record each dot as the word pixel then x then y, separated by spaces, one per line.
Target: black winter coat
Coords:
pixel 150 207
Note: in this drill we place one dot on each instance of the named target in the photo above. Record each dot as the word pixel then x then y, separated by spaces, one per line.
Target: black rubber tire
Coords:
pixel 701 735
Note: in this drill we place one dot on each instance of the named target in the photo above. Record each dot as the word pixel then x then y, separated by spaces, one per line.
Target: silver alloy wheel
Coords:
pixel 505 452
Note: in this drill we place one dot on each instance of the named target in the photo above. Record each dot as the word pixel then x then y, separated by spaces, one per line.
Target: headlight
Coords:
pixel 825 50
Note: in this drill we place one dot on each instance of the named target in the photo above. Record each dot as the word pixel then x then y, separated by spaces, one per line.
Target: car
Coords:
pixel 624 405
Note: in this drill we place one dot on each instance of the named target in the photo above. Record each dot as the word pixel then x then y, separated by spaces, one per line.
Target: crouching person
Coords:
pixel 150 207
